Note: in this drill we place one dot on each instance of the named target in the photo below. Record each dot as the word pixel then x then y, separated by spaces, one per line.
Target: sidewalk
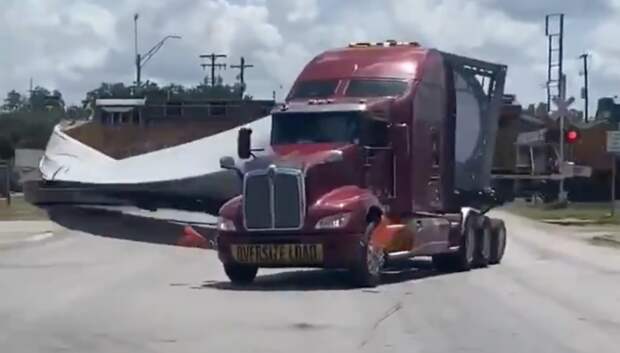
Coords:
pixel 26 231
pixel 598 234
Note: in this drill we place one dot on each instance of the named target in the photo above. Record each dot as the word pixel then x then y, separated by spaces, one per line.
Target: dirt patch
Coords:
pixel 20 210
pixel 606 240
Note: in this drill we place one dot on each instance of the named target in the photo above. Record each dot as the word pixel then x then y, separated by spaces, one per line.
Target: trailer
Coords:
pixel 382 151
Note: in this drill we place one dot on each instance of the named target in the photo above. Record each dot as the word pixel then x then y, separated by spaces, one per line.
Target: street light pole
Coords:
pixel 141 60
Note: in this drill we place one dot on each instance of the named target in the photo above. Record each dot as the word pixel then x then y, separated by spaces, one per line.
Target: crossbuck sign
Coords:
pixel 562 105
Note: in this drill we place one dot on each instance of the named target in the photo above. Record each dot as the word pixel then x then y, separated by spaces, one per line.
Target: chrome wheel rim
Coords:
pixel 486 243
pixel 501 242
pixel 470 239
pixel 374 259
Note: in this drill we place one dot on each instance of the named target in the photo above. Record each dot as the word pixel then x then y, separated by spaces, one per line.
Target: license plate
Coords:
pixel 278 254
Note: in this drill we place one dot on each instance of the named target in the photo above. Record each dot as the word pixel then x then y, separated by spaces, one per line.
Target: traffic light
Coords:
pixel 571 136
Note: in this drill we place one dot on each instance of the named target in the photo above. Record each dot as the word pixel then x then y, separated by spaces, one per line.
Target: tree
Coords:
pixel 155 93
pixel 74 112
pixel 13 101
pixel 38 99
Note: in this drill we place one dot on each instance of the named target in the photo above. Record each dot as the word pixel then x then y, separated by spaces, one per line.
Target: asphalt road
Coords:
pixel 76 292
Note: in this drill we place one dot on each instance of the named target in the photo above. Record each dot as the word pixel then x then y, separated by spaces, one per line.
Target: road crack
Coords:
pixel 391 311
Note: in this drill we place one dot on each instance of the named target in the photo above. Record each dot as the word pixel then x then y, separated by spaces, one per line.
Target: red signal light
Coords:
pixel 571 136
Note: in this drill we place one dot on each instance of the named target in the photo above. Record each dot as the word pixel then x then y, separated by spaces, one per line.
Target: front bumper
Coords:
pixel 339 250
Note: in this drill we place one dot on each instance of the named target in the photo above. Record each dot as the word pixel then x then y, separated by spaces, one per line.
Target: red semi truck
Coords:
pixel 382 151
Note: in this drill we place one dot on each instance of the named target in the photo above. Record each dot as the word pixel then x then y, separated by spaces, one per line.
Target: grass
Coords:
pixel 573 214
pixel 20 210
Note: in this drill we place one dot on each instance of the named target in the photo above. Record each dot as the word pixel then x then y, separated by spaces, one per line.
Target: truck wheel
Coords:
pixel 483 244
pixel 498 241
pixel 240 274
pixel 463 259
pixel 367 272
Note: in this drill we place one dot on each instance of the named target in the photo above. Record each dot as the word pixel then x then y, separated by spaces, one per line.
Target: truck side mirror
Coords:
pixel 244 143
pixel 399 138
pixel 227 162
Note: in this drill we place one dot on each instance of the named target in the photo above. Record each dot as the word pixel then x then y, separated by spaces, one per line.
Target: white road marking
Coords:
pixel 39 237
pixel 28 239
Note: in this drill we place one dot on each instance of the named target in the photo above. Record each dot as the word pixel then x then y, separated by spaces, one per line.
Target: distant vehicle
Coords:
pixel 382 151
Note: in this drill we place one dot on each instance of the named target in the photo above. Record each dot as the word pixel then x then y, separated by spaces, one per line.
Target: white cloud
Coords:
pixel 462 25
pixel 74 45
pixel 303 11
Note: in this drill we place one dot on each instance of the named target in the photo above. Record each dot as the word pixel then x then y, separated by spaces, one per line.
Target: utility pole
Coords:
pixel 141 60
pixel 137 56
pixel 584 92
pixel 213 65
pixel 242 66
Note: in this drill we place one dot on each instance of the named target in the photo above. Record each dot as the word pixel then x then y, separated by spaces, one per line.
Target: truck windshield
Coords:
pixel 376 88
pixel 294 128
pixel 314 89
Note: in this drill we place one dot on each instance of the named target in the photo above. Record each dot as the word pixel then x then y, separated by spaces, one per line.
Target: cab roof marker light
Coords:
pixel 359 44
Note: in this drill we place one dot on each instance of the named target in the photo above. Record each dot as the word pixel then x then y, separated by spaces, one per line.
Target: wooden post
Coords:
pixel 613 184
pixel 7 182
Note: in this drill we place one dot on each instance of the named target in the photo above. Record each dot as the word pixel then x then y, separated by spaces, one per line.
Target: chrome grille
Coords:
pixel 273 199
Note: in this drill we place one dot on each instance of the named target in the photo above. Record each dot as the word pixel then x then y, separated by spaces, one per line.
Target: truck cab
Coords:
pixel 381 151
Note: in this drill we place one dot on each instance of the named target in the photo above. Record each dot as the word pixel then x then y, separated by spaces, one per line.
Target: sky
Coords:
pixel 74 45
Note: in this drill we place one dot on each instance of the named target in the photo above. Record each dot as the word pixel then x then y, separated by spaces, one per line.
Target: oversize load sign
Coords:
pixel 278 254
pixel 613 141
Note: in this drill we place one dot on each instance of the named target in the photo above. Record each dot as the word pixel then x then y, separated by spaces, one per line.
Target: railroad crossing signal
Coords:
pixel 562 105
pixel 571 136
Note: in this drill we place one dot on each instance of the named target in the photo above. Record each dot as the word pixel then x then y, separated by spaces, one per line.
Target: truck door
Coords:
pixel 429 146
pixel 378 159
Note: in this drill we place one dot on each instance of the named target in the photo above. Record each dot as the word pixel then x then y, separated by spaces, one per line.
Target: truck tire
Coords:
pixel 498 241
pixel 463 259
pixel 240 274
pixel 483 243
pixel 367 271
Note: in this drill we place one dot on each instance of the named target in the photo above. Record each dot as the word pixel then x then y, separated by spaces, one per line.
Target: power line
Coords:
pixel 242 66
pixel 213 65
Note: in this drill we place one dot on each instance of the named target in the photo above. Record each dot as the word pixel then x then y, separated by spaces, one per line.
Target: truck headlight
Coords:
pixel 332 222
pixel 225 225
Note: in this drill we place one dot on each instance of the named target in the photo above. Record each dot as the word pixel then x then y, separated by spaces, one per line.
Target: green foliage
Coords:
pixel 13 101
pixel 28 121
pixel 29 129
pixel 154 93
